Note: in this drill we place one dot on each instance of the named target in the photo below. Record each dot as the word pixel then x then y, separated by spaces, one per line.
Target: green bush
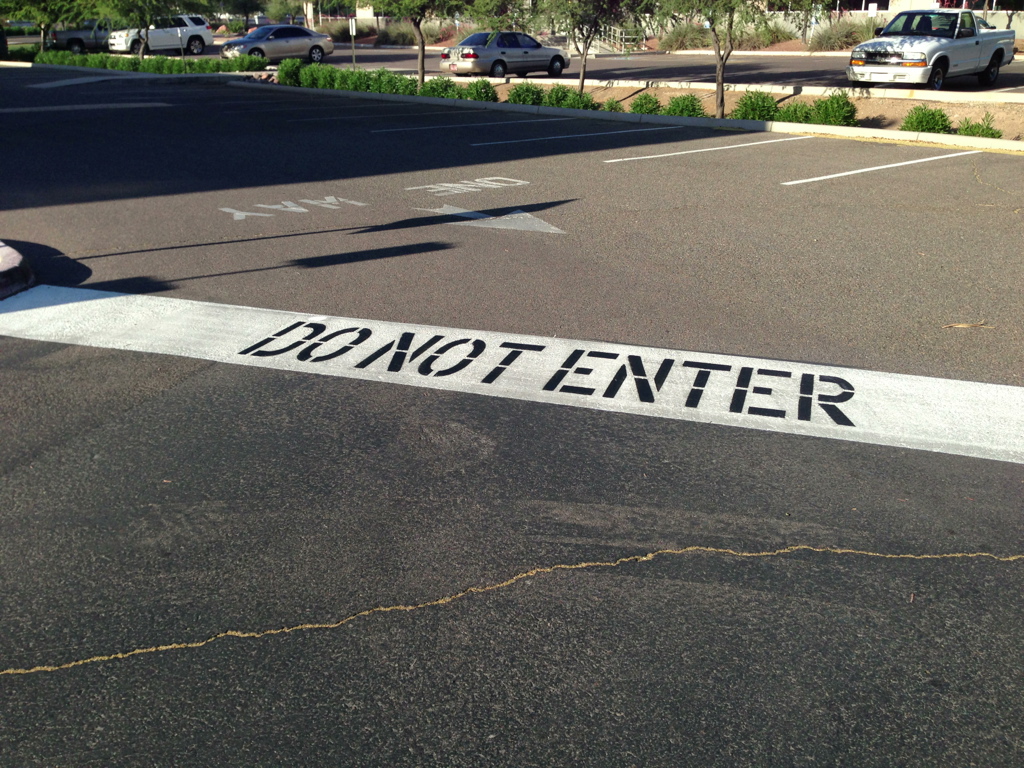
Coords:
pixel 354 80
pixel 755 105
pixel 526 93
pixel 160 65
pixel 124 63
pixel 236 27
pixel 645 104
pixel 21 31
pixel 795 112
pixel 612 105
pixel 385 81
pixel 685 37
pixel 684 106
pixel 319 76
pixel 443 88
pixel 835 109
pixel 23 52
pixel 338 30
pixel 481 90
pixel 925 120
pixel 557 96
pixel 756 37
pixel 842 34
pixel 435 31
pixel 581 101
pixel 400 33
pixel 984 129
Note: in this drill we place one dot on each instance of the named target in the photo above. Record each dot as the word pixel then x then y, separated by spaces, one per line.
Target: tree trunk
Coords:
pixel 421 68
pixel 3 43
pixel 721 57
pixel 583 62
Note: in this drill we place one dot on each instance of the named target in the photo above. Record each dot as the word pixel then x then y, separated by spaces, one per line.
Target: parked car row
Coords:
pixel 192 35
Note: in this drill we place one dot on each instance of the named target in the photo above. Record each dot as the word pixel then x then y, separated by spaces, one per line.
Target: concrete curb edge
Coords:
pixel 963 142
pixel 15 274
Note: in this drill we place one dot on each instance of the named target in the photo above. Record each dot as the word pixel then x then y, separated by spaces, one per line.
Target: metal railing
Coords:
pixel 623 40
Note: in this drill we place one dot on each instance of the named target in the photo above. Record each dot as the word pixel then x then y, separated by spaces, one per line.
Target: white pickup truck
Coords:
pixel 926 47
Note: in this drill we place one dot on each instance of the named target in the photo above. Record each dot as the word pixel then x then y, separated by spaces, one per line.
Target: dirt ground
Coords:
pixel 871 113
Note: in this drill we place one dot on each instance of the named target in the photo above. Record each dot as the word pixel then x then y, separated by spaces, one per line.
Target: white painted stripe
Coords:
pixel 78 107
pixel 474 125
pixel 578 135
pixel 708 149
pixel 879 168
pixel 957 417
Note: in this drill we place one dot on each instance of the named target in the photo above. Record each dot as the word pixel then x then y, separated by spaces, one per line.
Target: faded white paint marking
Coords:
pixel 489 182
pixel 578 135
pixel 473 125
pixel 879 168
pixel 289 206
pixel 84 107
pixel 707 149
pixel 956 417
pixel 517 219
pixel 369 117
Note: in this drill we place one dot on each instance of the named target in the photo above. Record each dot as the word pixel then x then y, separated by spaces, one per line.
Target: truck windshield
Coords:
pixel 921 23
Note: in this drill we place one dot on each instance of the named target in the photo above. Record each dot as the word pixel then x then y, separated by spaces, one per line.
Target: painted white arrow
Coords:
pixel 518 219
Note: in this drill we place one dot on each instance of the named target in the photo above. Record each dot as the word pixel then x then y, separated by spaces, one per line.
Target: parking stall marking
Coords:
pixel 475 125
pixel 578 135
pixel 371 117
pixel 707 149
pixel 948 416
pixel 79 107
pixel 879 168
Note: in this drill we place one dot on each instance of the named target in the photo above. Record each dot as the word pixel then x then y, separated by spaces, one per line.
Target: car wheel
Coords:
pixel 556 66
pixel 135 47
pixel 257 53
pixel 196 46
pixel 316 54
pixel 937 77
pixel 991 73
pixel 76 47
pixel 499 69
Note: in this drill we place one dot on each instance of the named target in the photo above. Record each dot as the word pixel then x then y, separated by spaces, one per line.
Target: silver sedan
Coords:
pixel 282 41
pixel 502 53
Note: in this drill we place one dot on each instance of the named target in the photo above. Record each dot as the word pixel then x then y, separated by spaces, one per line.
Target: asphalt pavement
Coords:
pixel 354 548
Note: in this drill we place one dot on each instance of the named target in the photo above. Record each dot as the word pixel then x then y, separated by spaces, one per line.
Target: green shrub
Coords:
pixel 443 88
pixel 755 105
pixel 307 75
pixel 984 129
pixel 685 37
pixel 202 66
pixel 236 27
pixel 244 63
pixel 21 31
pixel 400 33
pixel 354 80
pixel 756 37
pixel 612 105
pixel 795 112
pixel 123 63
pixel 526 93
pixel 288 71
pixel 338 30
pixel 160 65
pixel 435 31
pixel 835 109
pixel 842 34
pixel 645 104
pixel 557 96
pixel 481 90
pixel 385 81
pixel 925 120
pixel 581 101
pixel 684 106
pixel 23 52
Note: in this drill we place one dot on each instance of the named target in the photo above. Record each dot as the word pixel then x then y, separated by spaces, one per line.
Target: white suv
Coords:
pixel 190 34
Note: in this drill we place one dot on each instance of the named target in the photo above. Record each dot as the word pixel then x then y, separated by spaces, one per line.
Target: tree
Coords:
pixel 417 11
pixel 586 20
pixel 723 20
pixel 45 13
pixel 246 8
pixel 503 14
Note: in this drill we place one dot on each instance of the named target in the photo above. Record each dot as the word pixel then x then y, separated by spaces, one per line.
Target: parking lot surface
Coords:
pixel 342 432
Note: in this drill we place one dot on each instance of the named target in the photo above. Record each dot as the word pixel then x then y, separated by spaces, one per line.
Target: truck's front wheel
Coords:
pixel 991 73
pixel 937 77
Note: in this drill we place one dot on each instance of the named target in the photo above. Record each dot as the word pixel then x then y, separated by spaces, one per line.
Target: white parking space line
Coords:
pixel 707 149
pixel 80 107
pixel 577 136
pixel 879 168
pixel 366 117
pixel 955 417
pixel 474 125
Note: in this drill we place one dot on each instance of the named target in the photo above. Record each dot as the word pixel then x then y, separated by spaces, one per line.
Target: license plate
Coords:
pixel 453 67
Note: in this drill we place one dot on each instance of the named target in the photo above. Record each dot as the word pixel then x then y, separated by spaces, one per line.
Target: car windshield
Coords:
pixel 478 38
pixel 259 34
pixel 922 24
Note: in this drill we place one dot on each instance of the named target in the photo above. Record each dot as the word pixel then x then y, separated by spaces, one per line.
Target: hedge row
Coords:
pixel 836 109
pixel 926 120
pixel 160 65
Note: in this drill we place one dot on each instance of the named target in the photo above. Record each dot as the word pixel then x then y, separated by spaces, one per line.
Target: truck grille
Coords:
pixel 882 57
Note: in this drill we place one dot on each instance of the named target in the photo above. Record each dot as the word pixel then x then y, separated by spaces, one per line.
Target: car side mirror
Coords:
pixel 271 37
pixel 878 31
